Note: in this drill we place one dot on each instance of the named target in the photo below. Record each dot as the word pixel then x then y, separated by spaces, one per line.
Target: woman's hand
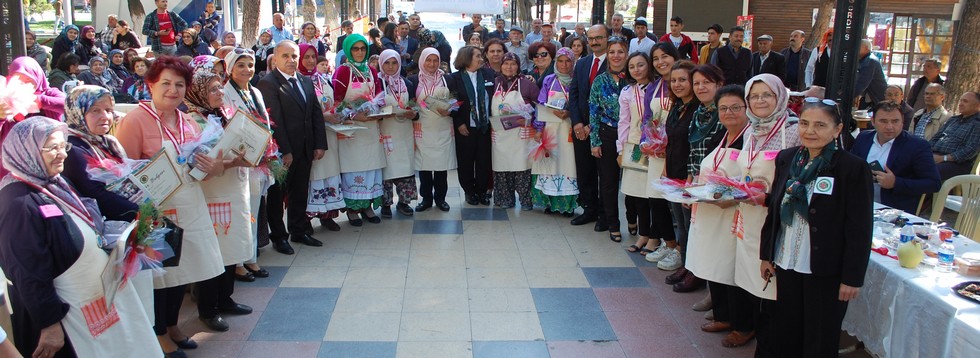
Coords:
pixel 767 270
pixel 537 136
pixel 408 114
pixel 619 160
pixel 597 152
pixel 755 198
pixel 442 112
pixel 724 204
pixel 848 293
pixel 51 341
pixel 360 117
pixel 333 118
pixel 209 165
pixel 238 161
pixel 563 114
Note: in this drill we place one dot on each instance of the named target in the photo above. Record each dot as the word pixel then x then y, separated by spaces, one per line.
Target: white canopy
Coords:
pixel 457 6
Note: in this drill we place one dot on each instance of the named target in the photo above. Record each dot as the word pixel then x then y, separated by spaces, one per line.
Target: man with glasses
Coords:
pixel 927 121
pixel 930 74
pixel 734 60
pixel 586 165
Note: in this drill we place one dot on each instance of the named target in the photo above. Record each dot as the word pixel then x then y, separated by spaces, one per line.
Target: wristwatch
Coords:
pixel 945 158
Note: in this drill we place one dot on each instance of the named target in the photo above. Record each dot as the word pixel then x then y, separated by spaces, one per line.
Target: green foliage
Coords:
pixel 34 7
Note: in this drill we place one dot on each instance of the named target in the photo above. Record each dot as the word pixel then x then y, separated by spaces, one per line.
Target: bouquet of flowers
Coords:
pixel 368 104
pixel 653 141
pixel 17 98
pixel 545 150
pixel 725 187
pixel 674 190
pixel 146 247
pixel 202 143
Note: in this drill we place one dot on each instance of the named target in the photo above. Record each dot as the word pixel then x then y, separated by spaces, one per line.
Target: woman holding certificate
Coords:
pixel 362 156
pixel 325 199
pixel 553 179
pixel 603 123
pixel 398 136
pixel 435 148
pixel 239 95
pixel 227 194
pixel 145 131
pixel 511 112
pixel 53 252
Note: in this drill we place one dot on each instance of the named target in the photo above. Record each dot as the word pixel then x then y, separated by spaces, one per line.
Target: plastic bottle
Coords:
pixel 946 253
pixel 907 234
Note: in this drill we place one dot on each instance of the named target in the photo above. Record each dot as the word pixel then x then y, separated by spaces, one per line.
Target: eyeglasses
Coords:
pixel 542 54
pixel 352 49
pixel 825 102
pixel 731 109
pixel 596 38
pixel 57 148
pixel 765 97
pixel 240 51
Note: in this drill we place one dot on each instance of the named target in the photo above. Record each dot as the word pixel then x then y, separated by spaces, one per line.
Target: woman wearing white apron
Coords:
pixel 398 136
pixel 326 199
pixel 142 133
pixel 227 195
pixel 362 156
pixel 603 135
pixel 54 256
pixel 239 95
pixel 435 147
pixel 772 130
pixel 511 167
pixel 555 183
pixel 711 243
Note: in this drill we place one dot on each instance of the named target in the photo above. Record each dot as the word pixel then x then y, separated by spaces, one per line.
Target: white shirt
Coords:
pixel 602 61
pixel 879 152
pixel 762 58
pixel 676 40
pixel 474 102
pixel 811 65
pixel 793 252
pixel 641 44
pixel 298 83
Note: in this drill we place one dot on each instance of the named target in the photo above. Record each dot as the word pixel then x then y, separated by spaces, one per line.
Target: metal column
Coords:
pixel 11 32
pixel 848 32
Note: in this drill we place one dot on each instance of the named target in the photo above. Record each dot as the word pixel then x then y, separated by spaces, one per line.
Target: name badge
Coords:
pixel 355 85
pixel 824 186
pixel 50 211
pixel 770 155
pixel 488 84
pixel 733 155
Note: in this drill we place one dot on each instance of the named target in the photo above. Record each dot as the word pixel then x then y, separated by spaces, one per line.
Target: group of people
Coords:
pixel 524 120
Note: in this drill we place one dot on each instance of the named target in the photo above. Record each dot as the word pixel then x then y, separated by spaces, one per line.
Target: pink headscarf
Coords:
pixel 303 48
pixel 51 100
pixel 426 77
pixel 394 83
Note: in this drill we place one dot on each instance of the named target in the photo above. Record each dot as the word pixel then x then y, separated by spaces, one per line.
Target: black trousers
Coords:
pixel 166 307
pixel 296 191
pixel 951 169
pixel 638 213
pixel 433 185
pixel 609 174
pixel 734 305
pixel 473 158
pixel 216 292
pixel 587 170
pixel 808 314
pixel 661 223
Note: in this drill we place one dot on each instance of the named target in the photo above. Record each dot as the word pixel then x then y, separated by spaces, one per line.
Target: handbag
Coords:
pixel 174 238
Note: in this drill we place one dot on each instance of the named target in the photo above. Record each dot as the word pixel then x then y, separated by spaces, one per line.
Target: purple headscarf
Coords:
pixel 52 100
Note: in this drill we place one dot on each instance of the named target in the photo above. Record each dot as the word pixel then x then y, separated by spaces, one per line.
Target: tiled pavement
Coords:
pixel 471 282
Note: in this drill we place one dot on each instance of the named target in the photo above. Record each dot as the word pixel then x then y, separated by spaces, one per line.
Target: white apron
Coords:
pixel 751 218
pixel 329 165
pixel 364 151
pixel 711 241
pixel 435 147
pixel 655 166
pixel 564 161
pixel 398 140
pixel 228 203
pixel 509 148
pixel 634 172
pixel 200 257
pixel 94 331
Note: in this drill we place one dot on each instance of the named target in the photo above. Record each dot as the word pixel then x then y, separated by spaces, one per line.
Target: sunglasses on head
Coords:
pixel 239 51
pixel 824 102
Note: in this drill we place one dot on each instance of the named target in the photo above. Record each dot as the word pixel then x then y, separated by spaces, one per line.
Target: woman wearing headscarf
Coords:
pixel 86 44
pixel 50 99
pixel 511 167
pixel 555 187
pixel 191 45
pixel 229 39
pixel 239 94
pixel 136 85
pixel 326 198
pixel 307 60
pixel 604 120
pixel 310 35
pixel 207 63
pixel 157 125
pixel 53 251
pixel 35 50
pixel 129 55
pixel 66 42
pixel 773 128
pixel 98 74
pixel 227 195
pixel 263 48
pixel 435 147
pixel 361 156
pixel 398 136
pixel 118 66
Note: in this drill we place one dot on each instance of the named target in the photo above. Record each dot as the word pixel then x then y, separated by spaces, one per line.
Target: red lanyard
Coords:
pixel 170 135
pixel 772 133
pixel 560 87
pixel 512 87
pixel 724 148
pixel 83 213
pixel 664 98
pixel 393 94
pixel 638 95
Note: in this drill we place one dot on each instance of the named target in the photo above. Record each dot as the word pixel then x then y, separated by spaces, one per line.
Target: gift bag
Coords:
pixel 174 238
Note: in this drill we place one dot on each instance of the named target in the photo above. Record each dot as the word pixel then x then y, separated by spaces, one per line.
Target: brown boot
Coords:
pixel 690 283
pixel 736 339
pixel 676 277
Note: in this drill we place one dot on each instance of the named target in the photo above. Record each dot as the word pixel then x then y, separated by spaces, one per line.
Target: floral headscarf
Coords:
pixel 510 56
pixel 205 63
pixel 564 78
pixel 393 83
pixel 79 101
pixel 348 43
pixel 762 126
pixel 263 50
pixel 196 97
pixel 303 49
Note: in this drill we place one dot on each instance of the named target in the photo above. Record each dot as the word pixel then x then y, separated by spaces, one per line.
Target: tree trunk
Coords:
pixel 553 13
pixel 250 22
pixel 964 67
pixel 309 11
pixel 610 10
pixel 524 14
pixel 641 9
pixel 821 25
pixel 331 15
pixel 138 14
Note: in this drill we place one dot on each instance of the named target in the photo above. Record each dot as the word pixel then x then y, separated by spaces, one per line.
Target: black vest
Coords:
pixel 821 68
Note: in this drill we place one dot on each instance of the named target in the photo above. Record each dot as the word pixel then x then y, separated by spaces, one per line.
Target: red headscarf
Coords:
pixel 303 49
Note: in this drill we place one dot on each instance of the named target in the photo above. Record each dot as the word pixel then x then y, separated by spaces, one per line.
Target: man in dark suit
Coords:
pixel 586 166
pixel 796 59
pixel 768 61
pixel 406 46
pixel 734 60
pixel 300 134
pixel 472 84
pixel 905 168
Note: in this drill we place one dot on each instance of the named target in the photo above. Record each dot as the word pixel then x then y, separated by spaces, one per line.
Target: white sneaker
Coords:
pixel 658 254
pixel 670 262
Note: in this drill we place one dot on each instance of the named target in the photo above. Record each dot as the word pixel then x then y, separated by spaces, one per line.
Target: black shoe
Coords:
pixel 425 205
pixel 247 277
pixel 568 214
pixel 329 224
pixel 486 199
pixel 444 206
pixel 585 218
pixel 404 209
pixel 175 354
pixel 371 219
pixel 283 247
pixel 600 226
pixel 354 220
pixel 187 343
pixel 307 240
pixel 386 212
pixel 237 309
pixel 472 199
pixel 260 273
pixel 215 323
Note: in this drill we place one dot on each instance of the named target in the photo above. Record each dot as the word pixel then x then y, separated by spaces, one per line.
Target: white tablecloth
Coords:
pixel 904 312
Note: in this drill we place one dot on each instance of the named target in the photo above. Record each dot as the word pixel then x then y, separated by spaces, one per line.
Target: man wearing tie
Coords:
pixel 300 133
pixel 586 70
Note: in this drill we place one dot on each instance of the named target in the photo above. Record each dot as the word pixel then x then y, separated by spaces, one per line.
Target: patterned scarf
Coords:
pixel 761 127
pixel 564 78
pixel 427 79
pixel 705 118
pixel 205 63
pixel 393 83
pixel 80 100
pixel 196 97
pixel 803 172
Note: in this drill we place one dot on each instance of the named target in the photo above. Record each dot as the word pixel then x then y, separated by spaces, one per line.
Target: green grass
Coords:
pixel 45 29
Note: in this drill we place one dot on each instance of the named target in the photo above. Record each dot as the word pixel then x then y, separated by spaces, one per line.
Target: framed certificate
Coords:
pixel 507 122
pixel 155 180
pixel 546 114
pixel 244 136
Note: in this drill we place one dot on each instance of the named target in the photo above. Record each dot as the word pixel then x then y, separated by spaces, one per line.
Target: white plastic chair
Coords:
pixel 968 219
